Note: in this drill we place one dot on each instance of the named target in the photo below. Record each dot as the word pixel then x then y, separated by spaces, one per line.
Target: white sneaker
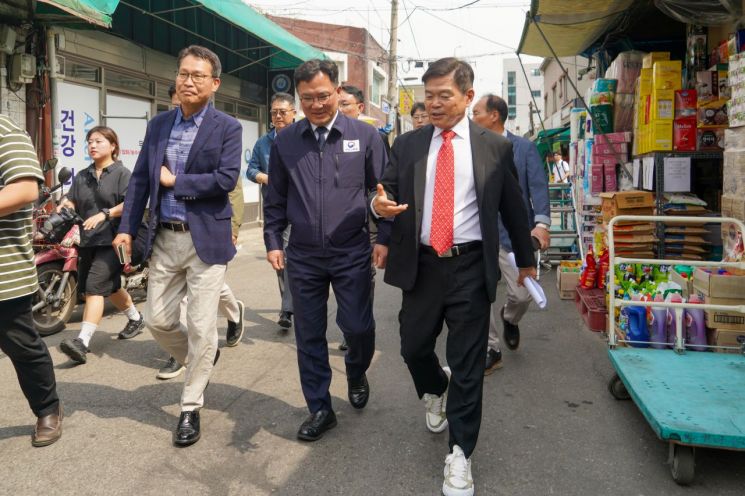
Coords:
pixel 458 479
pixel 436 417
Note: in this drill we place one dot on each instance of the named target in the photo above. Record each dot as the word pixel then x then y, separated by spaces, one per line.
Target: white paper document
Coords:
pixel 677 174
pixel 535 290
pixel 648 173
pixel 637 174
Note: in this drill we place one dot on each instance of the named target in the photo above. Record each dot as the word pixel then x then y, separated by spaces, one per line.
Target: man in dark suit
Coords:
pixel 491 113
pixel 321 171
pixel 189 163
pixel 446 184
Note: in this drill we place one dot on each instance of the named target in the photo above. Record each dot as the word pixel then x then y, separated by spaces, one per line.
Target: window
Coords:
pixel 511 112
pixel 535 72
pixel 85 72
pixel 511 78
pixel 135 84
pixel 227 107
pixel 511 99
pixel 536 93
pixel 378 89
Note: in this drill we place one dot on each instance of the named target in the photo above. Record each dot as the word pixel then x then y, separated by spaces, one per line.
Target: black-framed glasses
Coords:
pixel 196 78
pixel 322 99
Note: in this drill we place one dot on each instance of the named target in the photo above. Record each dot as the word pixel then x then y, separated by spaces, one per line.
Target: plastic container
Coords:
pixel 637 324
pixel 658 324
pixel 672 327
pixel 695 326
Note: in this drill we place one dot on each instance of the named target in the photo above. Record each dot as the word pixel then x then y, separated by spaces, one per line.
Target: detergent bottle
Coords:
pixel 695 325
pixel 638 326
pixel 658 324
pixel 672 328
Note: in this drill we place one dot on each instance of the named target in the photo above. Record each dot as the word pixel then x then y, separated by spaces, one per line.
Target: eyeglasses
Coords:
pixel 280 112
pixel 420 117
pixel 322 99
pixel 196 78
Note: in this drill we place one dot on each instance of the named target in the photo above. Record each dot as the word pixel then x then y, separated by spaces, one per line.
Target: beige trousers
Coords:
pixel 518 301
pixel 228 306
pixel 176 271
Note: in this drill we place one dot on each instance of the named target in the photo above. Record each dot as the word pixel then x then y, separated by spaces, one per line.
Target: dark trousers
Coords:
pixel 29 355
pixel 450 290
pixel 349 276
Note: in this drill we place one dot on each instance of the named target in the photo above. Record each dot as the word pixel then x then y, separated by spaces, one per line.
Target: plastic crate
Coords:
pixel 591 307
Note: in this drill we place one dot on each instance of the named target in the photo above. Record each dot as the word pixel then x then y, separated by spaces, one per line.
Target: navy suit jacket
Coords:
pixel 211 172
pixel 533 182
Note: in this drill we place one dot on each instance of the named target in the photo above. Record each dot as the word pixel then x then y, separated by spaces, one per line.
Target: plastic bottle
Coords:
pixel 695 325
pixel 658 324
pixel 638 326
pixel 671 324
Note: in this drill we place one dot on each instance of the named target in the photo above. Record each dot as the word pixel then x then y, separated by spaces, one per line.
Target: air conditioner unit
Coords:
pixel 22 68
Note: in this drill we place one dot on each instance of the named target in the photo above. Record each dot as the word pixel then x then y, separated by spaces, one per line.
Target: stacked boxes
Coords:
pixel 631 238
pixel 684 126
pixel 721 287
pixel 658 81
pixel 568 278
pixel 608 150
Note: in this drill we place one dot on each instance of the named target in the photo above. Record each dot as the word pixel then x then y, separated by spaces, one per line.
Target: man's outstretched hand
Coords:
pixel 384 207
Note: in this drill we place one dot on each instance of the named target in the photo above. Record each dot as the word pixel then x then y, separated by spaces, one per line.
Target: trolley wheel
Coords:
pixel 682 463
pixel 617 388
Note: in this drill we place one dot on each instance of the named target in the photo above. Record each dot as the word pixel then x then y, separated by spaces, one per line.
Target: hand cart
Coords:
pixel 690 398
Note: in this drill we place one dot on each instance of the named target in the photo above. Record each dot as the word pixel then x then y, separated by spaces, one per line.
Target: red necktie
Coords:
pixel 441 231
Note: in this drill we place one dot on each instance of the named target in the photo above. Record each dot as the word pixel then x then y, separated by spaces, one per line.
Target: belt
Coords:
pixel 175 226
pixel 454 250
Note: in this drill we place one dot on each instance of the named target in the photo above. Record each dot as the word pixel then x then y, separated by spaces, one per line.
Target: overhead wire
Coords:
pixel 411 28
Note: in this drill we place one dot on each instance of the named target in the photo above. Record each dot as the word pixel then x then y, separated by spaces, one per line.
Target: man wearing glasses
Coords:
pixel 190 162
pixel 282 111
pixel 321 171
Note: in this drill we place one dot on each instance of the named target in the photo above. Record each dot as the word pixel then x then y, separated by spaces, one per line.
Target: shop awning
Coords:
pixel 569 25
pixel 293 51
pixel 94 11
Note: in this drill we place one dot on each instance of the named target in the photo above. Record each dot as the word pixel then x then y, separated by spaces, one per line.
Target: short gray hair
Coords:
pixel 203 53
pixel 283 97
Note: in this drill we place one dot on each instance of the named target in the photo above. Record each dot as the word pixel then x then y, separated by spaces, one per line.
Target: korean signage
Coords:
pixel 78 113
pixel 405 101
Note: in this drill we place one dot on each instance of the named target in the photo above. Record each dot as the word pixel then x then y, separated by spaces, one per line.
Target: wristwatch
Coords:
pixel 543 225
pixel 106 212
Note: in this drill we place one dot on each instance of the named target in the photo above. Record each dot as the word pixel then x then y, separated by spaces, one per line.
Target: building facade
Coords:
pixel 558 95
pixel 362 61
pixel 520 93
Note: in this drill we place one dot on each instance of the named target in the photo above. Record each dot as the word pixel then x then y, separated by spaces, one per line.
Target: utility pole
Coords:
pixel 393 67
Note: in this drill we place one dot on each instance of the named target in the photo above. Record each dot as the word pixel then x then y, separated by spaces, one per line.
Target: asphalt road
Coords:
pixel 549 424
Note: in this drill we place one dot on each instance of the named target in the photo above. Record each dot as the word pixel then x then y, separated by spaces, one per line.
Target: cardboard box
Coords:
pixel 725 337
pixel 662 105
pixel 685 103
pixel 600 147
pixel 621 137
pixel 707 85
pixel 714 285
pixel 661 135
pixel 652 57
pixel 712 114
pixel 667 75
pixel 566 283
pixel 596 178
pixel 684 135
pixel 610 178
pixel 710 139
pixel 717 319
pixel 626 203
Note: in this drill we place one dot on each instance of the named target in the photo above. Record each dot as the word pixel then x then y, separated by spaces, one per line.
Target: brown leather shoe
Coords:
pixel 48 429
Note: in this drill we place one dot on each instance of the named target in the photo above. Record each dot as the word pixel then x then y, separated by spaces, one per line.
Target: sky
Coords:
pixel 483 32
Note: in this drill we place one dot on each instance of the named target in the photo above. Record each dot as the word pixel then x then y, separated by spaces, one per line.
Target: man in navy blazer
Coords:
pixel 491 112
pixel 190 161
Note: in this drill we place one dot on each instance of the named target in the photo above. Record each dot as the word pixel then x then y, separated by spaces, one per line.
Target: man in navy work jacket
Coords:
pixel 491 112
pixel 321 170
pixel 189 163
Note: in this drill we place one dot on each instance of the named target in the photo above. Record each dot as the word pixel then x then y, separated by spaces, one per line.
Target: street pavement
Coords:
pixel 549 424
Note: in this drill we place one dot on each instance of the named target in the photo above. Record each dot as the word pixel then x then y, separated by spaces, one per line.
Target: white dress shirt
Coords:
pixel 466 226
pixel 328 126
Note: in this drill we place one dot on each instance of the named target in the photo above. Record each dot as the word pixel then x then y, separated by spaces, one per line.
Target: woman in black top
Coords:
pixel 97 195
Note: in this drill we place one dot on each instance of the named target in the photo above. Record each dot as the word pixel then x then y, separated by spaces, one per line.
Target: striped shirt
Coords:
pixel 182 136
pixel 17 161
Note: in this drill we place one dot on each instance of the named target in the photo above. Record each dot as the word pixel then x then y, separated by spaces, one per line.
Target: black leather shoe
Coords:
pixel 493 361
pixel 235 329
pixel 358 391
pixel 285 320
pixel 511 333
pixel 315 425
pixel 187 432
pixel 343 346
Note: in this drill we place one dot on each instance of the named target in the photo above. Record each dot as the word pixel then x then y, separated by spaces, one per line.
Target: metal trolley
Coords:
pixel 690 398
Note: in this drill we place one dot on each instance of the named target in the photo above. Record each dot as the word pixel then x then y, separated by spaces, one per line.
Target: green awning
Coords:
pixel 293 51
pixel 569 25
pixel 545 139
pixel 94 11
